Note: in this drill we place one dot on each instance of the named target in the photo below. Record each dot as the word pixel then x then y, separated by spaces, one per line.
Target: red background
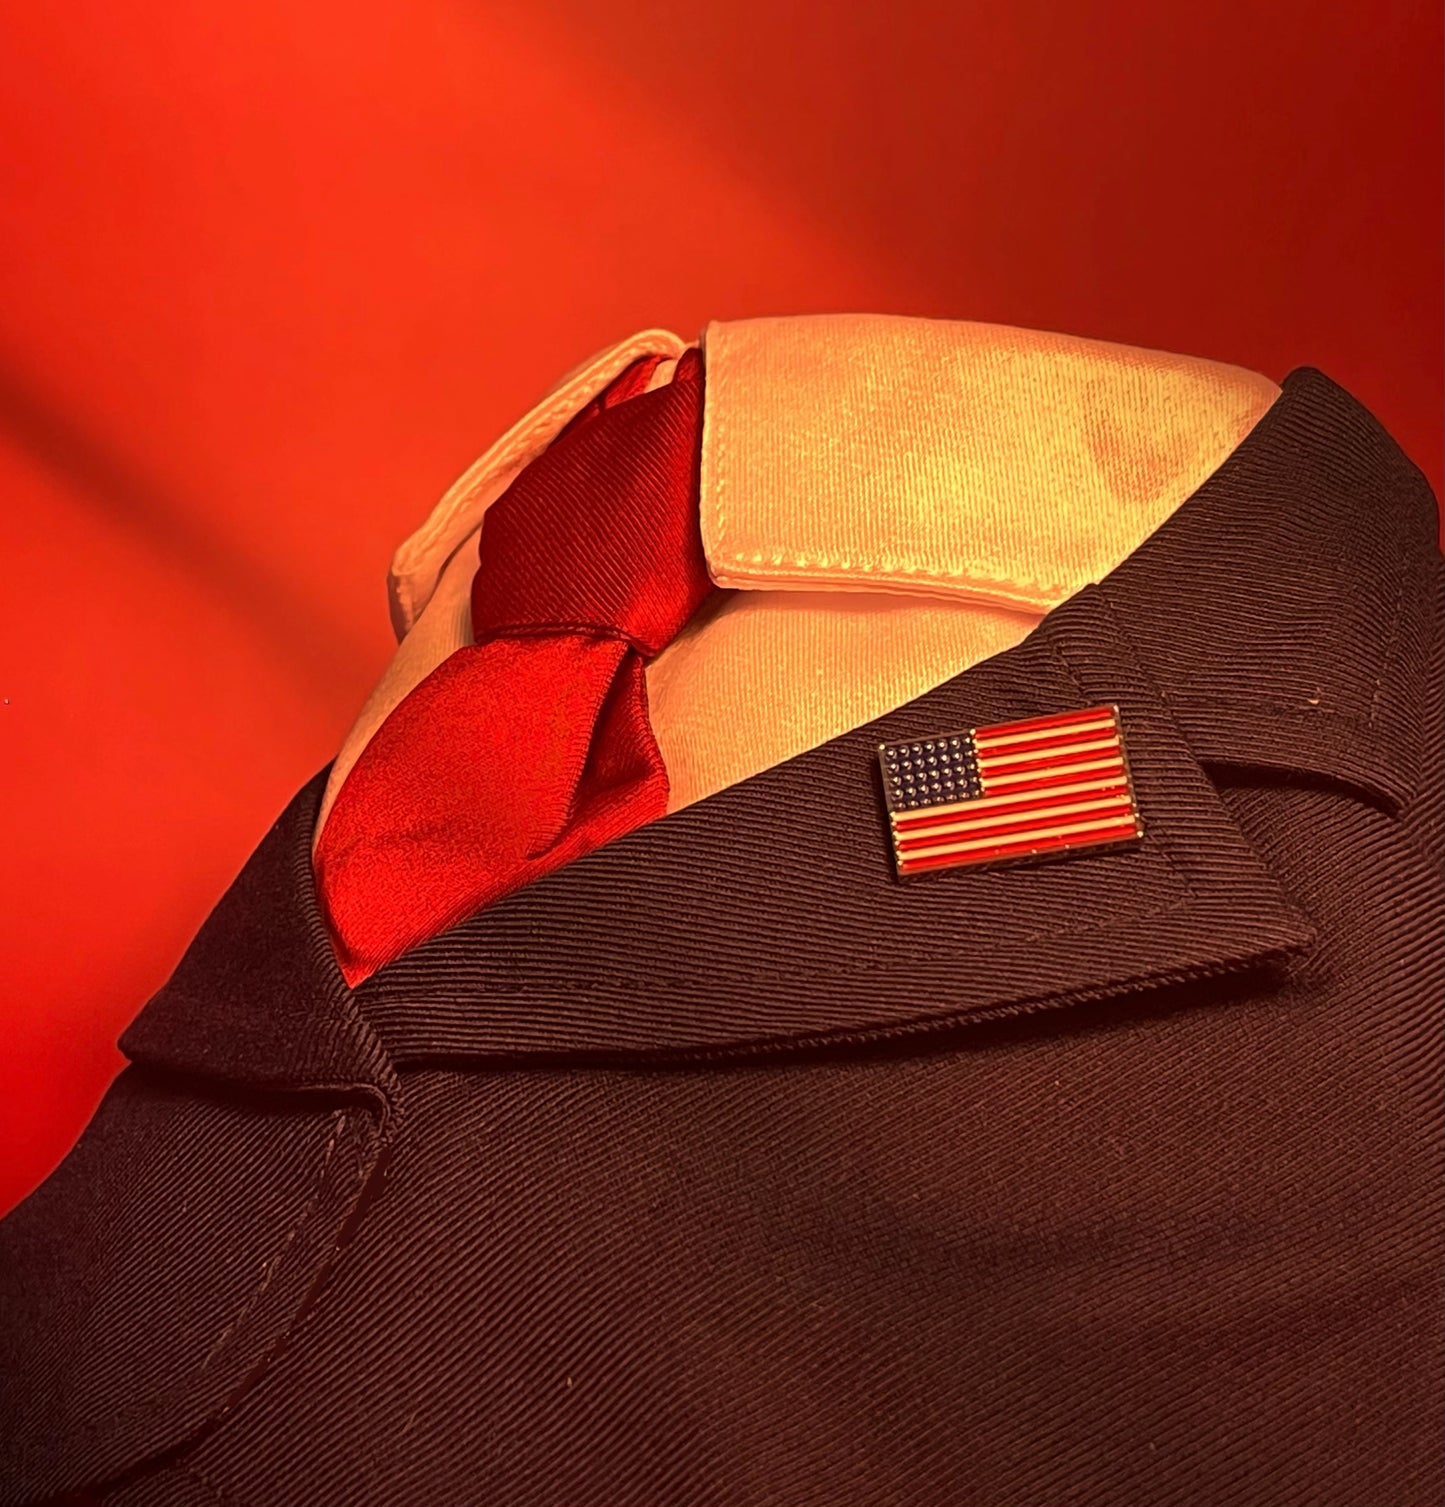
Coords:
pixel 273 274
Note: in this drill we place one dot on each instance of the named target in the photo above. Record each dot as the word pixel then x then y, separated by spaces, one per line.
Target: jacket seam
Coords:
pixel 230 1330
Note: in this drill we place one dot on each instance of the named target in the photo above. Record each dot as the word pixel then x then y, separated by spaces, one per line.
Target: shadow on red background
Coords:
pixel 273 275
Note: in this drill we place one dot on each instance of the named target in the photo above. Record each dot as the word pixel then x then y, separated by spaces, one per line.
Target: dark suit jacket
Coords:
pixel 720 1167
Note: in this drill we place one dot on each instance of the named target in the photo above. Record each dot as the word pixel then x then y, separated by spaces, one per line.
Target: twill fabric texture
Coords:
pixel 718 1166
pixel 531 746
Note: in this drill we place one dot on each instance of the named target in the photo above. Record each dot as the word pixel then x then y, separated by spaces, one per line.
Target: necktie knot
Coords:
pixel 590 538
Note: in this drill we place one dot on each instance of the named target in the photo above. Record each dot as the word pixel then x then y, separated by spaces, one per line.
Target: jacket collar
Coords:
pixel 1277 620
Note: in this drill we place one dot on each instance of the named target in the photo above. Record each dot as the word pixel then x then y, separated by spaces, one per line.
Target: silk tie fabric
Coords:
pixel 531 746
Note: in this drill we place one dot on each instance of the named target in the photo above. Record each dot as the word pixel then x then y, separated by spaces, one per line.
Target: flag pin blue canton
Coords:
pixel 1044 788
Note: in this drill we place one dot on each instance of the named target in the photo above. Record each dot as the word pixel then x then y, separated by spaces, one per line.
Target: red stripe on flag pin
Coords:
pixel 1039 789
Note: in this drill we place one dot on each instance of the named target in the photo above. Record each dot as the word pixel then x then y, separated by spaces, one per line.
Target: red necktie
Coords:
pixel 531 746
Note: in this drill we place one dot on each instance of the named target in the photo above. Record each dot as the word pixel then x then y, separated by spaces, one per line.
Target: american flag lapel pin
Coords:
pixel 1034 790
